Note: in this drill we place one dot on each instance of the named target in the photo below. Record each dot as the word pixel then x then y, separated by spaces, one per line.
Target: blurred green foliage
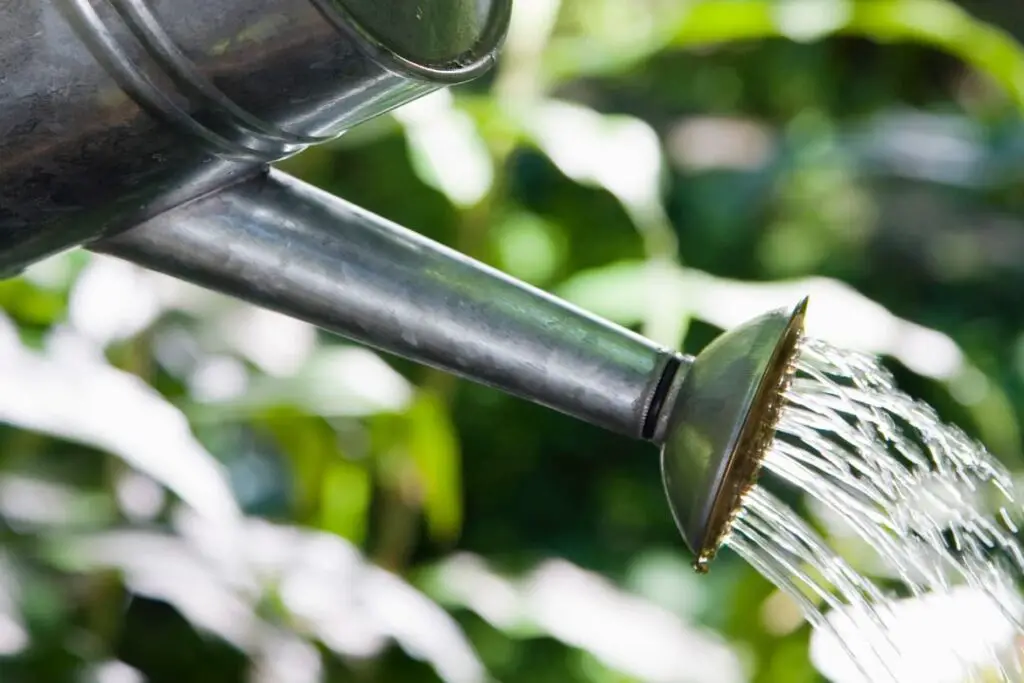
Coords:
pixel 193 490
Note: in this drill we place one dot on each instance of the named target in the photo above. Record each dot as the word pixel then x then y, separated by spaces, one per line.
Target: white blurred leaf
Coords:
pixel 32 502
pixel 335 381
pixel 278 344
pixel 624 156
pixel 333 593
pixel 14 635
pixel 837 312
pixel 447 151
pixel 618 291
pixel 808 20
pixel 530 29
pixel 112 300
pixel 71 393
pixel 621 154
pixel 112 671
pixel 56 272
pixel 286 658
pixel 215 575
pixel 164 567
pixel 626 633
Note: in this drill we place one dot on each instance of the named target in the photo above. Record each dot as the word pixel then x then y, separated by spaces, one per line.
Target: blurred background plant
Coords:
pixel 192 489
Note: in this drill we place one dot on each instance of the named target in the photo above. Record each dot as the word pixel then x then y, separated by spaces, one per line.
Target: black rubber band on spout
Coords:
pixel 658 399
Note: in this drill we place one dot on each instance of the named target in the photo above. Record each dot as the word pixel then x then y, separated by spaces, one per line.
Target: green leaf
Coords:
pixel 31 304
pixel 610 37
pixel 937 23
pixel 346 491
pixel 310 445
pixel 331 491
pixel 433 447
pixel 653 293
pixel 617 291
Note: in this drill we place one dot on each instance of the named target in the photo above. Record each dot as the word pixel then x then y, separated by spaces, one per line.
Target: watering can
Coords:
pixel 146 129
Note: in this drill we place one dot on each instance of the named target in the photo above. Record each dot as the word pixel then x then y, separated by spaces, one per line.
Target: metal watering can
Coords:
pixel 145 129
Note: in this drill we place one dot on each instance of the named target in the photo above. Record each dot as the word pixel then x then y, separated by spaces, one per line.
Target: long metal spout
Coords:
pixel 285 245
pixel 280 243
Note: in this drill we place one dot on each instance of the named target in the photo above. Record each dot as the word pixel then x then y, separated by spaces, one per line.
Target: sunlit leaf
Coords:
pixel 286 657
pixel 57 272
pixel 624 156
pixel 837 313
pixel 530 30
pixel 617 291
pixel 30 503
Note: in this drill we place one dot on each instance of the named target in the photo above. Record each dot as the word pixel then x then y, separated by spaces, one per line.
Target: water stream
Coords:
pixel 921 511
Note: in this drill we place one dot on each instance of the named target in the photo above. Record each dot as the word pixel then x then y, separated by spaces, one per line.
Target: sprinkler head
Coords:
pixel 720 422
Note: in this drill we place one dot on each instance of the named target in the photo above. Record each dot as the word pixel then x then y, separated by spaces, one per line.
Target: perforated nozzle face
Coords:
pixel 721 422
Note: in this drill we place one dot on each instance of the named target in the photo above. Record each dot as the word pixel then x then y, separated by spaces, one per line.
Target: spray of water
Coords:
pixel 932 508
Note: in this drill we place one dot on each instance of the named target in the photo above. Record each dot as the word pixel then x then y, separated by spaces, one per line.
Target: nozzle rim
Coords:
pixel 461 68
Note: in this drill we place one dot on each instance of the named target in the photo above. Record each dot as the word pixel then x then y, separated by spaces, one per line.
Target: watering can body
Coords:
pixel 114 111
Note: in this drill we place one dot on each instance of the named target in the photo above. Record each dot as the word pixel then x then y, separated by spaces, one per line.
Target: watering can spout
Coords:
pixel 280 243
